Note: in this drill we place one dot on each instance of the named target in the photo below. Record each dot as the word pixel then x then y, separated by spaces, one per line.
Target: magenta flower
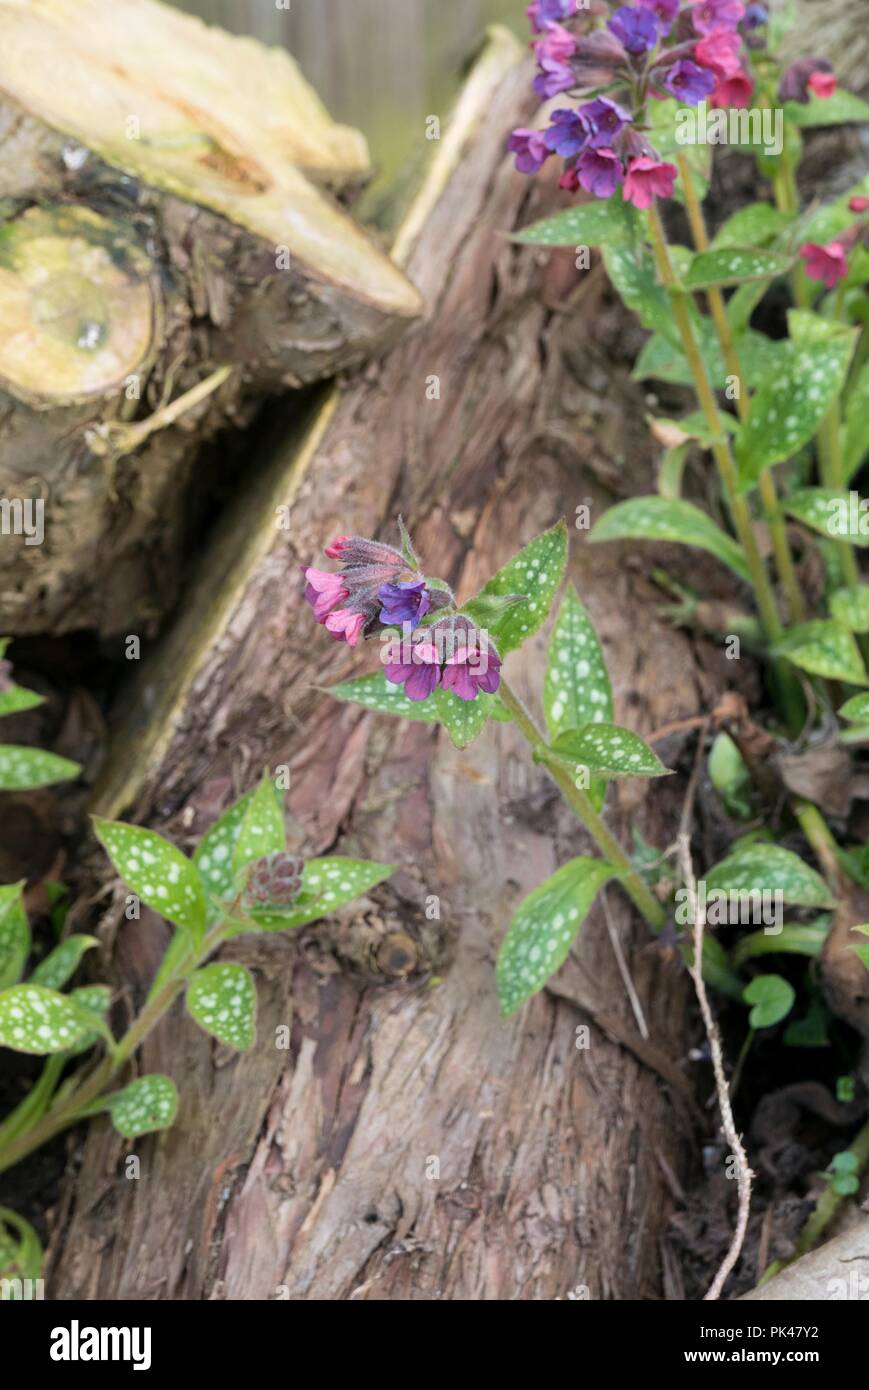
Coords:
pixel 471 664
pixel 335 550
pixel 569 179
pixel 325 592
pixel 648 179
pixel 530 150
pixel 636 29
pixel 688 82
pixel 858 204
pixel 707 15
pixel 828 263
pixel 418 667
pixel 607 120
pixel 735 90
pixel 557 45
pixel 600 172
pixel 346 625
pixel 719 51
pixel 823 84
pixel 665 12
pixel 404 603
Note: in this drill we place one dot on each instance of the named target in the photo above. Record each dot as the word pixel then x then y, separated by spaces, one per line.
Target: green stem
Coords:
pixel 819 836
pixel 35 1102
pixel 768 494
pixel 641 895
pixel 721 447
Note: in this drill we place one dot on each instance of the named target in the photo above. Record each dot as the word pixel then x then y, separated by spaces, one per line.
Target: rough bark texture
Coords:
pixel 411 1144
pixel 245 266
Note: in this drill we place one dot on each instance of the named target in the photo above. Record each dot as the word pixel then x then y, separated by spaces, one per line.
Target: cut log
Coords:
pixel 411 1144
pixel 179 231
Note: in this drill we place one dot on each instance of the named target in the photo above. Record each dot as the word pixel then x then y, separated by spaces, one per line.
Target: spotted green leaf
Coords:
pixel 791 938
pixel 632 272
pixel 769 868
pixel 733 265
pixel 791 402
pixel 327 884
pixel 856 709
pixel 157 872
pixel 95 1000
pixel 214 853
pixel 839 515
pixel 838 109
pixel 61 963
pixel 857 422
pixel 39 1020
pixel 576 688
pixel 146 1105
pixel 537 572
pixel 16 699
pixel 14 934
pixel 850 606
pixel 772 998
pixel 592 224
pixel 463 720
pixel 668 519
pixel 375 692
pixel 222 999
pixel 544 928
pixel 609 751
pixel 22 769
pixel 262 831
pixel 751 226
pixel 823 648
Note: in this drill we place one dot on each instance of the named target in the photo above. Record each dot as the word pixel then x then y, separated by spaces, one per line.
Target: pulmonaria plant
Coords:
pixel 446 666
pixel 240 880
pixel 23 768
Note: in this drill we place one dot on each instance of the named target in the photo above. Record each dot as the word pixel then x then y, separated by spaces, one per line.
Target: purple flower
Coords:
pixel 600 172
pixel 553 78
pixel 665 12
pixel 569 133
pixel 543 12
pixel 756 16
pixel 404 603
pixel 711 14
pixel 689 82
pixel 636 29
pixel 530 150
pixel 607 120
pixel 794 85
pixel 417 667
pixel 472 665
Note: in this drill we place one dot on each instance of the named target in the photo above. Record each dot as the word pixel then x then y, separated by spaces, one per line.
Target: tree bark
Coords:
pixel 165 232
pixel 411 1144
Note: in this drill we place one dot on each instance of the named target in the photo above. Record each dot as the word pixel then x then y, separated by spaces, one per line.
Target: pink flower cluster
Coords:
pixel 829 263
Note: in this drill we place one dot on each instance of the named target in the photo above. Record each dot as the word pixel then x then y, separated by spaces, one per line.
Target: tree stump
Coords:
pixel 411 1144
pixel 169 254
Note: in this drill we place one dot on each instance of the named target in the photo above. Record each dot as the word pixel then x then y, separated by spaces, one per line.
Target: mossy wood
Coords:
pixel 164 190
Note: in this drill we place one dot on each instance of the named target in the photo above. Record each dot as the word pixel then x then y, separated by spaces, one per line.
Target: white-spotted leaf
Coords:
pixel 16 699
pixel 769 868
pixel 262 830
pixel 734 265
pixel 39 1020
pixel 791 402
pixel 14 934
pixel 214 853
pixel 823 648
pixel 667 519
pixel 856 709
pixel 61 963
pixel 592 224
pixel 751 226
pixel 537 572
pixel 609 751
pixel 95 1000
pixel 463 720
pixel 375 692
pixel 146 1105
pixel 544 928
pixel 22 769
pixel 222 1000
pixel 850 606
pixel 157 872
pixel 836 515
pixel 857 422
pixel 576 687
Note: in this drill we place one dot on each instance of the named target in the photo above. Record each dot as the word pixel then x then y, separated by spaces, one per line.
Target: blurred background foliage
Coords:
pixel 381 65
